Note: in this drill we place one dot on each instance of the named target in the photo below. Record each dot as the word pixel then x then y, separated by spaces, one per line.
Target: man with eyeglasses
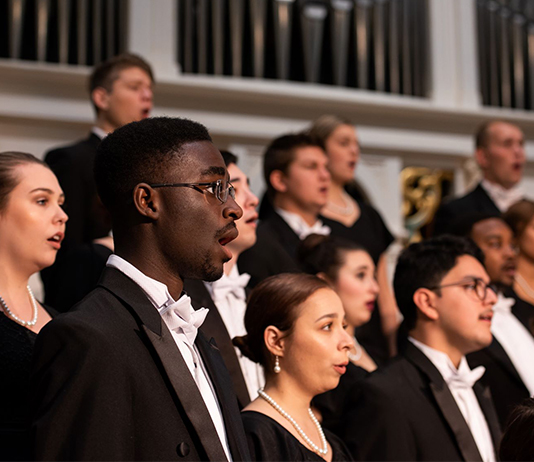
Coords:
pixel 509 358
pixel 127 374
pixel 427 404
pixel 226 297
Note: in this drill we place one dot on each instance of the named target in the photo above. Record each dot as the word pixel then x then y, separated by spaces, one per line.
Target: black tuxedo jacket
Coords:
pixel 477 201
pixel 88 218
pixel 275 250
pixel 214 327
pixel 73 166
pixel 522 310
pixel 109 383
pixel 406 412
pixel 507 387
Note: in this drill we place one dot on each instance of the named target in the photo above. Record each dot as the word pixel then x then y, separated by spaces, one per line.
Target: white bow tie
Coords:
pixel 230 285
pixel 503 305
pixel 317 228
pixel 180 315
pixel 465 379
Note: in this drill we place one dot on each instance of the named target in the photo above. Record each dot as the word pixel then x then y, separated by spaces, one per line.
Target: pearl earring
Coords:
pixel 276 365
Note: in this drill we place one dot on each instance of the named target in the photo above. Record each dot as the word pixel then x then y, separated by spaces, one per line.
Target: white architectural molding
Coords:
pixel 152 34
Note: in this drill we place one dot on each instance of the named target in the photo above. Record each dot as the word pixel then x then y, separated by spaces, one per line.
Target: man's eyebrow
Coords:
pixel 235 180
pixel 221 171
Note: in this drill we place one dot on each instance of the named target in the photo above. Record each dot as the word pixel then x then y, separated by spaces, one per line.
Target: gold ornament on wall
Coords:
pixel 422 193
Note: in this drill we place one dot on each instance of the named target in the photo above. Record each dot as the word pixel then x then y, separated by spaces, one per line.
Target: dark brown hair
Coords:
pixel 519 215
pixel 325 254
pixel 274 302
pixel 9 161
pixel 517 441
pixel 108 71
pixel 281 153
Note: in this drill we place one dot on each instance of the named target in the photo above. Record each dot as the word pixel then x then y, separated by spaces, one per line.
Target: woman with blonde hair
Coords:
pixel 32 226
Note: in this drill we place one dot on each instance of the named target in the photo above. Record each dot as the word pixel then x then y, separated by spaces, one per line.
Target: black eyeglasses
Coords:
pixel 220 188
pixel 477 285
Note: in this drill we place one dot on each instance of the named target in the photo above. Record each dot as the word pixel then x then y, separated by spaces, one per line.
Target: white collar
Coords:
pixel 442 362
pixel 156 291
pixel 502 197
pixel 300 227
pixel 99 132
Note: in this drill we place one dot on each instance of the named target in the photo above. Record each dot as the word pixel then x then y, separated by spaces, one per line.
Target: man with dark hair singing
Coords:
pixel 427 404
pixel 126 374
pixel 121 92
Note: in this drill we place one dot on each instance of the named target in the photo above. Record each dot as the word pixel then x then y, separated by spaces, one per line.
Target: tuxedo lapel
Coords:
pixel 214 327
pixel 483 201
pixel 171 359
pixel 287 237
pixel 224 390
pixel 483 395
pixel 446 403
pixel 496 351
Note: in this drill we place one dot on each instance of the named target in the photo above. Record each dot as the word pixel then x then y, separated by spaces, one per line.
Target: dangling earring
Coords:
pixel 276 365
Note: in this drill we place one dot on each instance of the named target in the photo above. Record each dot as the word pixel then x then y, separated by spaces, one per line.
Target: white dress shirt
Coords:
pixel 515 340
pixel 502 197
pixel 99 132
pixel 228 294
pixel 460 382
pixel 183 336
pixel 301 228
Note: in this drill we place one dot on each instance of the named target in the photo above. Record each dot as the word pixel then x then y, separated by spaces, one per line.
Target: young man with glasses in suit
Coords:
pixel 127 374
pixel 427 404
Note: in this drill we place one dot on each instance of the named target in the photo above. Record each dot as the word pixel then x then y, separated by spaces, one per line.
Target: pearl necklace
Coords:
pixel 16 318
pixel 357 355
pixel 284 414
pixel 524 285
pixel 346 210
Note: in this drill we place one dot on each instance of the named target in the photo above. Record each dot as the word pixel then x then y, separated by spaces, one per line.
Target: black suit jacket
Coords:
pixel 88 218
pixel 214 327
pixel 406 412
pixel 275 250
pixel 73 166
pixel 507 388
pixel 477 201
pixel 109 383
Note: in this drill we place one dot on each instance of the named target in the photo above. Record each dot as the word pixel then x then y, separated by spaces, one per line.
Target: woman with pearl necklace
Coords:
pixel 296 330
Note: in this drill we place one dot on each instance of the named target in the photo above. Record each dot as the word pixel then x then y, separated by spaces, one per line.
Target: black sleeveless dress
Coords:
pixel 16 350
pixel 269 441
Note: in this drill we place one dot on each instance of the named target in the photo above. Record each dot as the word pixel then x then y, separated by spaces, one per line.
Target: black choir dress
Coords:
pixel 269 441
pixel 16 349
pixel 337 406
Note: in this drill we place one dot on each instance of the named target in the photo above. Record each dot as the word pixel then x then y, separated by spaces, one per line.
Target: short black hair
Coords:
pixel 425 264
pixel 281 153
pixel 229 158
pixel 140 152
pixel 325 254
pixel 463 225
